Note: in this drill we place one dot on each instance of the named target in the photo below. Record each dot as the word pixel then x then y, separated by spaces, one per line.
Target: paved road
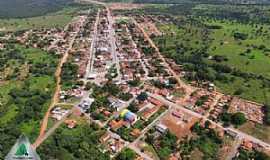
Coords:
pixel 89 67
pixel 234 150
pixel 241 134
pixel 151 125
pixel 144 131
pixel 112 41
pixel 42 138
pixel 138 151
pixel 147 37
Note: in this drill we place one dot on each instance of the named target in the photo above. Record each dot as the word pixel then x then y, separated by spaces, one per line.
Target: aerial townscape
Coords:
pixel 135 79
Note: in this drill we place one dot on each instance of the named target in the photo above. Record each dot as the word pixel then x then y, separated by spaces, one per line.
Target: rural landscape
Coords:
pixel 135 79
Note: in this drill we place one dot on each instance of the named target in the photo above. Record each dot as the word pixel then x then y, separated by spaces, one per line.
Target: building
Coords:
pixel 58 113
pixel 116 103
pixel 85 104
pixel 161 128
pixel 71 123
pixel 129 116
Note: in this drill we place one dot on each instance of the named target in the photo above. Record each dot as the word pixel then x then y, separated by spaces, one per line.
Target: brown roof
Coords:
pixel 247 145
pixel 135 132
pixel 155 101
pixel 116 124
pixel 71 123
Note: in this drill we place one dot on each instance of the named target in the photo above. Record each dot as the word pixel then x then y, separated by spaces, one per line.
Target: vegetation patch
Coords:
pixel 25 99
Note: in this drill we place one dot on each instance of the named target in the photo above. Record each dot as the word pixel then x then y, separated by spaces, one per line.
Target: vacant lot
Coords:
pixel 259 131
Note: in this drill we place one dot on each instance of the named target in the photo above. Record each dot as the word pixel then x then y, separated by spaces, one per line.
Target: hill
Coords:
pixel 29 8
pixel 204 1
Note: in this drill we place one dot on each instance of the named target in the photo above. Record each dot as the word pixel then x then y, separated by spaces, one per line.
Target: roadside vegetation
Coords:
pixel 77 143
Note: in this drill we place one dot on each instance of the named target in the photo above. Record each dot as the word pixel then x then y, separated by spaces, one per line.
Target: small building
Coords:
pixel 92 76
pixel 161 128
pixel 247 145
pixel 58 113
pixel 116 103
pixel 85 104
pixel 135 132
pixel 104 137
pixel 155 101
pixel 71 123
pixel 115 125
pixel 128 116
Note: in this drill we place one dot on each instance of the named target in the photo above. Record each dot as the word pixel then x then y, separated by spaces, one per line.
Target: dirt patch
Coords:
pixel 257 130
pixel 124 6
pixel 151 28
pixel 179 125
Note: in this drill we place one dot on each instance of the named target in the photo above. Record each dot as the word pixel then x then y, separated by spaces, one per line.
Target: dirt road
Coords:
pixel 55 98
pixel 152 44
pixel 51 130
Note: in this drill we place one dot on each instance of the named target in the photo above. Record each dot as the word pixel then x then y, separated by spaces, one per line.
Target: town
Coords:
pixel 112 74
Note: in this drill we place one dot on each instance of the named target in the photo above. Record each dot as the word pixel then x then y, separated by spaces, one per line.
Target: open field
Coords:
pixel 29 8
pixel 257 130
pixel 57 19
pixel 225 44
pixel 221 50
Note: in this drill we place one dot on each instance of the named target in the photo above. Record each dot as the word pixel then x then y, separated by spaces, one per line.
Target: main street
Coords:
pixel 89 67
pixel 112 42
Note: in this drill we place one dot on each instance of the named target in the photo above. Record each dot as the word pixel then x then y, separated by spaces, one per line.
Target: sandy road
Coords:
pixel 56 93
pixel 55 98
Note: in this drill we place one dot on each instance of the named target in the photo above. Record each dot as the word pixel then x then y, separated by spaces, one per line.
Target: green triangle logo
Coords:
pixel 21 151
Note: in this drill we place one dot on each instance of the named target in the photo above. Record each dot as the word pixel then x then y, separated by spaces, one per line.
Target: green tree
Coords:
pixel 238 118
pixel 142 97
pixel 126 154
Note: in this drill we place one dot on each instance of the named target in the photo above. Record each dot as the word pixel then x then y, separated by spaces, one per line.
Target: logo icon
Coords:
pixel 22 150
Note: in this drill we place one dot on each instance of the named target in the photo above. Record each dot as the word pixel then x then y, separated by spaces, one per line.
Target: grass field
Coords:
pixel 232 48
pixel 257 61
pixel 222 42
pixel 57 19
